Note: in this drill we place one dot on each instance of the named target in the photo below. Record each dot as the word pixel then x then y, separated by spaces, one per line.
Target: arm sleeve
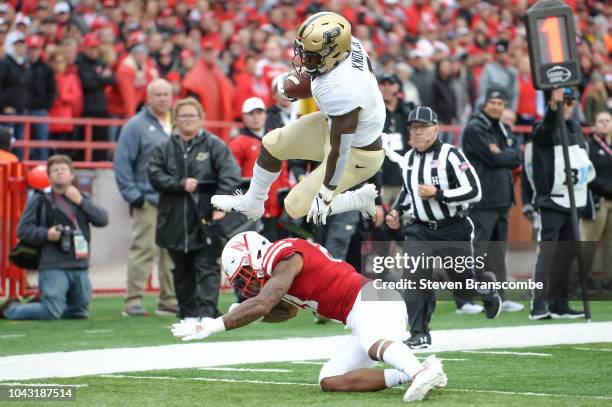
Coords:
pixel 160 179
pixel 475 143
pixel 125 159
pixel 96 215
pixel 29 229
pixel 469 185
pixel 228 171
pixel 543 132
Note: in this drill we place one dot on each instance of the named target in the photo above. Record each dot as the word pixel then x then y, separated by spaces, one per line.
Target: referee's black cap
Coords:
pixel 423 114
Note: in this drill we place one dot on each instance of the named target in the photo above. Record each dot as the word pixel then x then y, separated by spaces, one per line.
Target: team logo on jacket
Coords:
pixel 202 156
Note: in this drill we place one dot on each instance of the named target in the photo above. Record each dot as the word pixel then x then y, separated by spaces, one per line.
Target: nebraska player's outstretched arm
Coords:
pixel 265 304
pixel 268 298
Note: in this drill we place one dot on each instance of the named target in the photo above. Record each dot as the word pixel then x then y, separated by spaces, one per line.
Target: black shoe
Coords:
pixel 419 341
pixel 565 313
pixel 538 311
pixel 491 300
pixel 7 304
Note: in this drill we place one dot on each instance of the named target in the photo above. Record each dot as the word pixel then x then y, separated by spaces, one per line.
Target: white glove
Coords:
pixel 320 207
pixel 190 330
pixel 391 154
pixel 280 87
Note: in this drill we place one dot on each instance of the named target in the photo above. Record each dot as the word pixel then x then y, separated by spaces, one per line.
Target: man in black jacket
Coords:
pixel 57 221
pixel 95 76
pixel 182 170
pixel 493 151
pixel 544 167
pixel 15 77
pixel 42 93
pixel 396 127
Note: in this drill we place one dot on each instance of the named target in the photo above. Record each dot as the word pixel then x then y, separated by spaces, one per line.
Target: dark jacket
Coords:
pixel 33 230
pixel 494 170
pixel 546 135
pixel 601 186
pixel 42 87
pixel 90 73
pixel 180 214
pixel 14 85
pixel 443 100
pixel 396 126
pixel 137 140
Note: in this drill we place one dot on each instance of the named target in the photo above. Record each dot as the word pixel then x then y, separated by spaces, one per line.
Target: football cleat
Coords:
pixel 431 376
pixel 430 361
pixel 252 208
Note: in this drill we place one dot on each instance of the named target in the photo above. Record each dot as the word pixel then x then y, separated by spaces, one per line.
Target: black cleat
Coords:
pixel 419 341
pixel 538 311
pixel 565 313
pixel 491 300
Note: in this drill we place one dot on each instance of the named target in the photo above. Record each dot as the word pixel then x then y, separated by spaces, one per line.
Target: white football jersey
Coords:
pixel 349 86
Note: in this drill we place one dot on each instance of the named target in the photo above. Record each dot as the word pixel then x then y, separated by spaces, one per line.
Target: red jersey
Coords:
pixel 325 285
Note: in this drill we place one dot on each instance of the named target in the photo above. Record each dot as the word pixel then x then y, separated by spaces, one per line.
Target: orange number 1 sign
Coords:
pixel 552 31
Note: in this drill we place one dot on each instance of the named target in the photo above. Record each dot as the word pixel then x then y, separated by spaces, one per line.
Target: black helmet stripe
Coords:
pixel 311 19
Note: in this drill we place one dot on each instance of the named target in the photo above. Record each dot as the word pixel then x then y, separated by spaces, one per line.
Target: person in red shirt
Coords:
pixel 292 273
pixel 245 148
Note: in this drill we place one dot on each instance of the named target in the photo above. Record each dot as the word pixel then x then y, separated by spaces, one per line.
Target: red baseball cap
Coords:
pixel 34 41
pixel 173 77
pixel 186 53
pixel 91 40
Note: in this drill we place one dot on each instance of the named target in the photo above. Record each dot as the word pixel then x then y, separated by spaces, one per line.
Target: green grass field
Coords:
pixel 568 375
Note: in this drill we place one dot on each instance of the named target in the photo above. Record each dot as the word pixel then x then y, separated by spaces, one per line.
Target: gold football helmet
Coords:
pixel 323 41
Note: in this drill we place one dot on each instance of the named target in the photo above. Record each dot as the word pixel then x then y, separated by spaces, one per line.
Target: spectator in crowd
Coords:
pixel 166 62
pixel 180 169
pixel 501 74
pixel 551 200
pixel 396 128
pixel 463 87
pixel 132 76
pixel 443 98
pixel 409 89
pixel 69 96
pixel 62 231
pixel 598 227
pixel 94 76
pixel 211 86
pixel 422 76
pixel 42 93
pixel 527 99
pixel 248 83
pixel 272 64
pixel 245 148
pixel 595 98
pixel 188 61
pixel 15 78
pixel 491 147
pixel 137 140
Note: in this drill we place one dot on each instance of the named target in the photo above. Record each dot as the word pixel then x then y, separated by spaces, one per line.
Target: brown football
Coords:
pixel 297 86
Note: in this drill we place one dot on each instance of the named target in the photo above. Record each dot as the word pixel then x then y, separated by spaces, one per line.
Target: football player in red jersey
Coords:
pixel 292 273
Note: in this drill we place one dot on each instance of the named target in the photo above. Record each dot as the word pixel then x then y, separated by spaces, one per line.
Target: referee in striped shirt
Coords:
pixel 439 183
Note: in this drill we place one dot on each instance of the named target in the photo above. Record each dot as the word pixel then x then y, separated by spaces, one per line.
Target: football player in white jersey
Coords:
pixel 344 136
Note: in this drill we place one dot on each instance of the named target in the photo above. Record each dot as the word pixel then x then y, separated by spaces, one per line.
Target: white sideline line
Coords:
pixel 43 384
pixel 594 349
pixel 518 393
pixel 219 354
pixel 245 369
pixel 305 362
pixel 490 352
pixel 206 379
pixel 11 336
pixel 450 359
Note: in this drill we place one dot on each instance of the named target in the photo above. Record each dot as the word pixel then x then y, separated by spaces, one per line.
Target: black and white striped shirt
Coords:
pixel 445 167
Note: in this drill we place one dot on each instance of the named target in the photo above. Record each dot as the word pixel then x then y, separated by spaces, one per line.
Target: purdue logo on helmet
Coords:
pixel 323 41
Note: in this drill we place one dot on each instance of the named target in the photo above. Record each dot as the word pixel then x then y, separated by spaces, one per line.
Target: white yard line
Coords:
pixel 595 349
pixel 206 379
pixel 305 362
pixel 492 352
pixel 223 380
pixel 211 354
pixel 244 369
pixel 11 336
pixel 98 331
pixel 42 384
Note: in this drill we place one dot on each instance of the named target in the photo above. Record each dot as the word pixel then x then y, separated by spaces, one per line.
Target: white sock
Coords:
pixel 346 202
pixel 394 377
pixel 260 183
pixel 400 357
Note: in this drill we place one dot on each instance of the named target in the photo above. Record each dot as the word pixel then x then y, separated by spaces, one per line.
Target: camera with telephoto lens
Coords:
pixel 65 240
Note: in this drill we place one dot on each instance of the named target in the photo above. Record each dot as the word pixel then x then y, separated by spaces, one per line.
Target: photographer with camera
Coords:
pixel 57 221
pixel 187 170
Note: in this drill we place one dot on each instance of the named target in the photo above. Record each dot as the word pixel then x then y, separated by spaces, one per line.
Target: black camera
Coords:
pixel 65 242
